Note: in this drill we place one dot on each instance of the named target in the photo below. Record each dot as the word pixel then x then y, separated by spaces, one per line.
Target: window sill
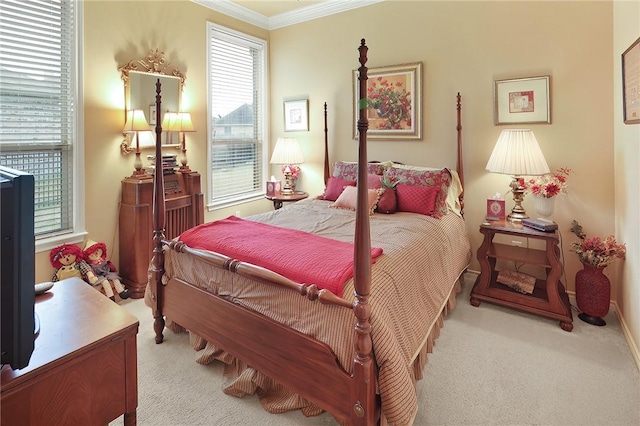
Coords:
pixel 47 244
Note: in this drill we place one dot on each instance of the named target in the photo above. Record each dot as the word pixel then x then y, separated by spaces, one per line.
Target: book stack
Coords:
pixel 169 163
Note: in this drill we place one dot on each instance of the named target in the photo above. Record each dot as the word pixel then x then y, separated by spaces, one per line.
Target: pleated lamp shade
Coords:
pixel 517 153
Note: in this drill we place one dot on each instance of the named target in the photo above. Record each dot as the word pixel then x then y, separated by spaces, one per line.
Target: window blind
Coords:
pixel 236 93
pixel 37 103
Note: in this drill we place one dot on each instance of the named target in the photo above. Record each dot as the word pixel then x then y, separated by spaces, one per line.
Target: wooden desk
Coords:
pixel 549 297
pixel 84 367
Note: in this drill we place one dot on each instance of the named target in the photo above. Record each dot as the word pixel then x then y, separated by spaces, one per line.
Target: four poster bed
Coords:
pixel 357 339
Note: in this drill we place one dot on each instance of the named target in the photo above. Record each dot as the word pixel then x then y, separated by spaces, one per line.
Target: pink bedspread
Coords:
pixel 300 256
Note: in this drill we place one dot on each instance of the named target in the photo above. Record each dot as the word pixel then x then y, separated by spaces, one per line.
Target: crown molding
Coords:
pixel 308 13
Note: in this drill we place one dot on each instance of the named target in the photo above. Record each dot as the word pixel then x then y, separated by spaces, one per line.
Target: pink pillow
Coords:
pixel 374 181
pixel 417 199
pixel 335 186
pixel 348 199
pixel 387 203
pixel 439 178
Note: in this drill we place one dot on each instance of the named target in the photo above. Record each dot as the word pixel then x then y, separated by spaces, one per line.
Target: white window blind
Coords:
pixel 236 105
pixel 38 103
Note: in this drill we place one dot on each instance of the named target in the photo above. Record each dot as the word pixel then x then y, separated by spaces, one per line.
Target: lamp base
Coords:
pixel 287 188
pixel 517 212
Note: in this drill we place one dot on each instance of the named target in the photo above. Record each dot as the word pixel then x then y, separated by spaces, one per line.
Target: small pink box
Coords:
pixel 273 188
pixel 495 209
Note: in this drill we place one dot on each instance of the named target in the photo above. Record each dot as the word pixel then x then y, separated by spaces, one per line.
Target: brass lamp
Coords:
pixel 518 154
pixel 287 152
pixel 136 122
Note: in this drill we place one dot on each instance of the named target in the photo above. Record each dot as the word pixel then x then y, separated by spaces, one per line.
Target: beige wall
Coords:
pixel 626 20
pixel 464 47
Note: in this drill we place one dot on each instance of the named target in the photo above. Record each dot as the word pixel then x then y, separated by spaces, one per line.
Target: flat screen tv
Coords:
pixel 17 267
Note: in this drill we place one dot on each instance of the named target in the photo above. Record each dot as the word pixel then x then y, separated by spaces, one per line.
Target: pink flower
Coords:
pixel 595 251
pixel 293 168
pixel 549 185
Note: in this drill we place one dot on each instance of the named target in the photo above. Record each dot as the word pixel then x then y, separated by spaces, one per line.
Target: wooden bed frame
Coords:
pixel 262 343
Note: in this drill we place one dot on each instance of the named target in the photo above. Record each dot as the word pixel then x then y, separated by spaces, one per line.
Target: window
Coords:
pixel 236 72
pixel 39 106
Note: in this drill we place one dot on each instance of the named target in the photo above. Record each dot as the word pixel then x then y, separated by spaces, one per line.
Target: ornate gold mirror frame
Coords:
pixel 139 77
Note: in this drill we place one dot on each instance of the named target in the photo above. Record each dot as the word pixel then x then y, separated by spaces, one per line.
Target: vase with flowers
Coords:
pixel 292 170
pixel 545 188
pixel 593 288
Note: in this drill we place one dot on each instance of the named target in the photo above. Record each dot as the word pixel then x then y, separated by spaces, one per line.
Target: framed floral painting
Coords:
pixel 394 102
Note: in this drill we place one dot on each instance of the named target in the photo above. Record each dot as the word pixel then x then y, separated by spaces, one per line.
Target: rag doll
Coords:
pixel 68 262
pixel 96 256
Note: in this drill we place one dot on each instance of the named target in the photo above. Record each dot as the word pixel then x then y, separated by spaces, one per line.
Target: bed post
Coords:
pixel 157 261
pixel 364 410
pixel 326 148
pixel 460 165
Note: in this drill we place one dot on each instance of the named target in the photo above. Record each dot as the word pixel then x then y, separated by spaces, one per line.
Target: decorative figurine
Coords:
pixel 68 262
pixel 96 256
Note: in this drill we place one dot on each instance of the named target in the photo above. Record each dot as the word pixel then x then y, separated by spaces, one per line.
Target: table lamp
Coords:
pixel 287 152
pixel 184 124
pixel 518 154
pixel 136 122
pixel 179 122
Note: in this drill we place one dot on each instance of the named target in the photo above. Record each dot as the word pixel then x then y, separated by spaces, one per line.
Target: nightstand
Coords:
pixel 284 198
pixel 548 298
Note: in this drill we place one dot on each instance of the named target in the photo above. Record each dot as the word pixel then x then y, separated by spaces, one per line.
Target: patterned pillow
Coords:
pixel 438 178
pixel 387 203
pixel 349 170
pixel 348 199
pixel 335 186
pixel 417 199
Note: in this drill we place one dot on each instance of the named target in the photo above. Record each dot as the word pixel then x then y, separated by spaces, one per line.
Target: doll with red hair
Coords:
pixel 68 262
pixel 96 256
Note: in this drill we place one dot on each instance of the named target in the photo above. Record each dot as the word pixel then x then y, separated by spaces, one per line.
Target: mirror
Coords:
pixel 139 77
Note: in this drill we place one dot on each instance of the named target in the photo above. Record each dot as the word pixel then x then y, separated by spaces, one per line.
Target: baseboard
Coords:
pixel 470 277
pixel 628 337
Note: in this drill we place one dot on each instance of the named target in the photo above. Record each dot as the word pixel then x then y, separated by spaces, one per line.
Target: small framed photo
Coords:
pixel 522 100
pixel 631 83
pixel 296 115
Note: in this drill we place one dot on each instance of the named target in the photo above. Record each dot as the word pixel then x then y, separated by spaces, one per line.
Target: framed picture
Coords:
pixel 631 83
pixel 296 115
pixel 522 100
pixel 394 102
pixel 152 114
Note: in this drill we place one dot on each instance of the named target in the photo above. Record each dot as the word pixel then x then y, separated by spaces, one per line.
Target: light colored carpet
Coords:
pixel 490 366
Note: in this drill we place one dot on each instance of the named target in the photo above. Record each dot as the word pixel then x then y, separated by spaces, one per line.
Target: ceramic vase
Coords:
pixel 544 206
pixel 593 293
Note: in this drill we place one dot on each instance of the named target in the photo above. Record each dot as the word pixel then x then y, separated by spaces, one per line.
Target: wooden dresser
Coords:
pixel 84 367
pixel 184 209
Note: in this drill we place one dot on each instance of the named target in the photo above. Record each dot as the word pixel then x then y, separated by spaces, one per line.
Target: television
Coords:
pixel 17 267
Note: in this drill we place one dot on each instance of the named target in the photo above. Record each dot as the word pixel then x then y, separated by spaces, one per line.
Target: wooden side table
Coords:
pixel 549 297
pixel 84 367
pixel 283 198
